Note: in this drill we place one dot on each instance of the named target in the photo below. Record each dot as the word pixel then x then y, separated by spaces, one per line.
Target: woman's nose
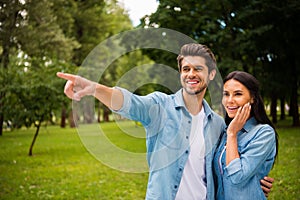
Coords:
pixel 229 99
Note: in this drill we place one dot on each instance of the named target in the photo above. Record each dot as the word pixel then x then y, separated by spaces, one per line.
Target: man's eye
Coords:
pixel 238 94
pixel 225 94
pixel 199 68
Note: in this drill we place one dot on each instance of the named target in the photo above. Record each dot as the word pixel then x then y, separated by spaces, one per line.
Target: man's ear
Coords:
pixel 212 74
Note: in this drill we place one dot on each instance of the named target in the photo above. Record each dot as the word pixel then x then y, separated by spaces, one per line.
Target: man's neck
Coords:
pixel 193 103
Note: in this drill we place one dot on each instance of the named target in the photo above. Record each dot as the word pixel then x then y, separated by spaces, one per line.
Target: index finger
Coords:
pixel 66 76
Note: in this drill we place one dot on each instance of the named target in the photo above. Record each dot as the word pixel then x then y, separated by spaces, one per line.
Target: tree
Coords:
pixel 259 37
pixel 10 17
pixel 105 18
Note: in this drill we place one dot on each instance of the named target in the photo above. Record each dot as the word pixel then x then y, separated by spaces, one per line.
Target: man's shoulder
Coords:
pixel 160 95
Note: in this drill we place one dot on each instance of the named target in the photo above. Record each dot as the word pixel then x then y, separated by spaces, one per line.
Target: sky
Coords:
pixel 139 8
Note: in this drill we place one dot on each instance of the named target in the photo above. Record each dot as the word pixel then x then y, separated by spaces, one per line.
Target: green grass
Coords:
pixel 285 171
pixel 62 168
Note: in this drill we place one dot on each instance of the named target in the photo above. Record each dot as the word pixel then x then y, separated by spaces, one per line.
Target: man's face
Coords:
pixel 194 75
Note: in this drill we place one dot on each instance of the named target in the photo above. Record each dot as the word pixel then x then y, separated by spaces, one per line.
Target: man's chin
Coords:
pixel 195 92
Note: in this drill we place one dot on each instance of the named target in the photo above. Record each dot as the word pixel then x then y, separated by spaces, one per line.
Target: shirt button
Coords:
pixel 186 151
pixel 175 186
pixel 180 169
pixel 189 122
pixel 187 137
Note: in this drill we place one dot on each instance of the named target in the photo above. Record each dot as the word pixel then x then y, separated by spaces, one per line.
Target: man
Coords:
pixel 182 130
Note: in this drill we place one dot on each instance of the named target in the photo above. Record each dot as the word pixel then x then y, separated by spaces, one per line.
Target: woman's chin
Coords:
pixel 231 115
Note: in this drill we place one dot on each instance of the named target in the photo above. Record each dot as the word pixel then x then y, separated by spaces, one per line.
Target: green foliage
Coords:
pixel 95 21
pixel 39 38
pixel 42 25
pixel 30 97
pixel 260 37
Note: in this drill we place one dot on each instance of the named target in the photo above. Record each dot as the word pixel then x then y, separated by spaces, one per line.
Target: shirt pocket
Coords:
pixel 170 136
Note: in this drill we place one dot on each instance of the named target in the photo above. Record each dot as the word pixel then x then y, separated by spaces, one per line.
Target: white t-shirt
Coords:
pixel 193 185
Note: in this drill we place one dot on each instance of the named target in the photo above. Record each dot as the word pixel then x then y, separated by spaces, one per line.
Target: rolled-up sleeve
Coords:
pixel 124 110
pixel 257 151
pixel 234 166
pixel 138 108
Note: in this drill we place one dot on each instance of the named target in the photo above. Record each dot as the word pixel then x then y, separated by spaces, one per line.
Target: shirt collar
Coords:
pixel 179 102
pixel 250 124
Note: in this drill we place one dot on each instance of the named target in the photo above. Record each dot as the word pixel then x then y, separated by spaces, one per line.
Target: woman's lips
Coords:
pixel 232 108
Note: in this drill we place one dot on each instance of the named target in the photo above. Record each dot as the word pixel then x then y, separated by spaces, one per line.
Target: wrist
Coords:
pixel 231 134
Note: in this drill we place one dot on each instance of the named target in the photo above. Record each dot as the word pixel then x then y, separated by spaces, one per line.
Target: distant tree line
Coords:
pixel 256 36
pixel 40 37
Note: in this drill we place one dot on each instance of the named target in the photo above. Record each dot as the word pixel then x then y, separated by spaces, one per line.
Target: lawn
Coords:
pixel 62 168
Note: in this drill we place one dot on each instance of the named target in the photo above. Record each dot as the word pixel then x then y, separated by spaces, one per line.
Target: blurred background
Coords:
pixel 41 37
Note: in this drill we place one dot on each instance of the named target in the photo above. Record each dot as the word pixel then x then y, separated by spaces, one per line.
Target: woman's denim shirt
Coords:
pixel 241 178
pixel 168 124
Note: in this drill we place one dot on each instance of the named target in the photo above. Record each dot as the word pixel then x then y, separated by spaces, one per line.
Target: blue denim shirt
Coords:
pixel 168 125
pixel 241 178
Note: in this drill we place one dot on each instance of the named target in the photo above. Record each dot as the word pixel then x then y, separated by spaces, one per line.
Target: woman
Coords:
pixel 248 148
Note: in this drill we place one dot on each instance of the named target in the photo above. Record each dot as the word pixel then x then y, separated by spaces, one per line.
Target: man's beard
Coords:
pixel 199 91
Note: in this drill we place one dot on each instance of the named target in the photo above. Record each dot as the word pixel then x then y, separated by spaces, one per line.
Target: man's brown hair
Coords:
pixel 194 49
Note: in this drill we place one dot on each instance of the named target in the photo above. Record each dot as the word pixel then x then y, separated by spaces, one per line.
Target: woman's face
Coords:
pixel 235 95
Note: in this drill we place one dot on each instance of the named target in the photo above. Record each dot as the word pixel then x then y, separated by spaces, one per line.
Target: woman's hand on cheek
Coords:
pixel 239 120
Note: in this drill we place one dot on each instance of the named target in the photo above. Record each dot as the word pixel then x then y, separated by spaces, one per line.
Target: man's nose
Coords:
pixel 191 72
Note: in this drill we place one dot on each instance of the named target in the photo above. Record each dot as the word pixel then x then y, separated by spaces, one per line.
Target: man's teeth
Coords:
pixel 192 82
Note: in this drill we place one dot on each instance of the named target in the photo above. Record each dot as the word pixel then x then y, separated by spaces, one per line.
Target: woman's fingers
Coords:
pixel 246 111
pixel 243 113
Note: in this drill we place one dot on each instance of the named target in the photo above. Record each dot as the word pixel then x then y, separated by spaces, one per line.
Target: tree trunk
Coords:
pixel 106 113
pixel 7 38
pixel 71 119
pixel 34 138
pixel 294 106
pixel 273 108
pixel 1 123
pixel 63 117
pixel 99 112
pixel 294 93
pixel 88 112
pixel 282 108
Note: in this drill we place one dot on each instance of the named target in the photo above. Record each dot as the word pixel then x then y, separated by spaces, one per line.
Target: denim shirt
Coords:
pixel 168 125
pixel 240 179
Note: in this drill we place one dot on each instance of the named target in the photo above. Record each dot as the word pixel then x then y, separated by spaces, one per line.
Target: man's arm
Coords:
pixel 78 87
pixel 266 185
